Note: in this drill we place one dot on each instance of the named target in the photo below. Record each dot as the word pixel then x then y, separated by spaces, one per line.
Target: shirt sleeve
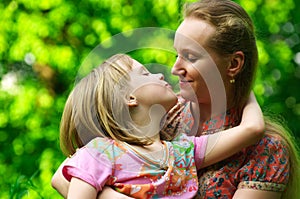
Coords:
pixel 90 166
pixel 267 166
pixel 200 149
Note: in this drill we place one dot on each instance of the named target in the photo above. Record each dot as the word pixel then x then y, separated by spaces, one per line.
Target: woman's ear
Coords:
pixel 132 102
pixel 236 63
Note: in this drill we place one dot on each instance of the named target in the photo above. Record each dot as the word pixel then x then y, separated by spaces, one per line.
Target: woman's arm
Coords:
pixel 226 143
pixel 110 193
pixel 257 194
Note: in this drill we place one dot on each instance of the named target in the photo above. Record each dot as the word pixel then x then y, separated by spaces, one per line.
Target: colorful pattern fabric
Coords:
pixel 263 166
pixel 107 162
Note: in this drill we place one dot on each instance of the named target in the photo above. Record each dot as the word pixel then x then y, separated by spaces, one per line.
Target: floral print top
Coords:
pixel 263 166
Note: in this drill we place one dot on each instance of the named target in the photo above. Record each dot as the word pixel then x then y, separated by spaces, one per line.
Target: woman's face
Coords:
pixel 199 68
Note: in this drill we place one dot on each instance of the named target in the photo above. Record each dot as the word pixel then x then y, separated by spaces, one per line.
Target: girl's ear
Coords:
pixel 236 63
pixel 132 102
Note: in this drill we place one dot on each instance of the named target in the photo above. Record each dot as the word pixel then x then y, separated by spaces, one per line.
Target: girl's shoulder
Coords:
pixel 182 142
pixel 105 145
pixel 100 142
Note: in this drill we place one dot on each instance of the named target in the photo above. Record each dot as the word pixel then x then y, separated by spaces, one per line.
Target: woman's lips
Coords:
pixel 184 83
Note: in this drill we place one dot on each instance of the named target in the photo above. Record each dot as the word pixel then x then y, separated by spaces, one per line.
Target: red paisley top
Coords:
pixel 264 166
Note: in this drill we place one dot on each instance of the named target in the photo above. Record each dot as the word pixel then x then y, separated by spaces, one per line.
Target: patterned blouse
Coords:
pixel 263 166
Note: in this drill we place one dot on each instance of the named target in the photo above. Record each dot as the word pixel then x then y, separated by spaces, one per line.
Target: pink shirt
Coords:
pixel 107 162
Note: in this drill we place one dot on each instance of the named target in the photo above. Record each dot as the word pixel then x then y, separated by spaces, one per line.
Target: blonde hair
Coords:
pixel 235 32
pixel 97 107
pixel 275 126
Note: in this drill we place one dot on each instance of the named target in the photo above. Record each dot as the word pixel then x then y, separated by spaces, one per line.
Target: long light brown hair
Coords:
pixel 97 107
pixel 96 104
pixel 235 32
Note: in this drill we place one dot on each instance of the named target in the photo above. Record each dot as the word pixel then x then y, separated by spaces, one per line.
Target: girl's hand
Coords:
pixel 109 193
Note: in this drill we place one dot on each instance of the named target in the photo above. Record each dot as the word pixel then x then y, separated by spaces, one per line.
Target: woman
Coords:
pixel 225 33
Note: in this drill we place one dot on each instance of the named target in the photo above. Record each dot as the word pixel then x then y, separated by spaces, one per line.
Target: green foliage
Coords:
pixel 43 43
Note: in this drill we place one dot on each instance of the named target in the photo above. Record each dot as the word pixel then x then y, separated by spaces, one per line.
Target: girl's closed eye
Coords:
pixel 146 73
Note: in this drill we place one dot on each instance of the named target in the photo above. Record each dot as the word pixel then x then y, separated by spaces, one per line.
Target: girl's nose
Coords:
pixel 160 76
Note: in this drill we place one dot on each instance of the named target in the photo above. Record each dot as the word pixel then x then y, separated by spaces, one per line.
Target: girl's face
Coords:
pixel 150 89
pixel 199 68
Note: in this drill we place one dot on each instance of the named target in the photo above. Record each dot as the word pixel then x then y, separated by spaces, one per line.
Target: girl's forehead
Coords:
pixel 136 65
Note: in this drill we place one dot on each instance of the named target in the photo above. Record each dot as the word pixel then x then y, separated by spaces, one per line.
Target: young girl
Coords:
pixel 117 112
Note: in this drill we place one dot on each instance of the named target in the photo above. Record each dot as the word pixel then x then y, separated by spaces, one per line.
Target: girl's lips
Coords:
pixel 168 86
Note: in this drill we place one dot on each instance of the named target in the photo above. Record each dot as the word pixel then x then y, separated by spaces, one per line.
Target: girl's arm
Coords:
pixel 226 143
pixel 58 181
pixel 80 189
pixel 61 185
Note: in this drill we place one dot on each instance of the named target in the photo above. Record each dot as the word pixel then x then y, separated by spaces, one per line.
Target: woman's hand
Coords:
pixel 109 193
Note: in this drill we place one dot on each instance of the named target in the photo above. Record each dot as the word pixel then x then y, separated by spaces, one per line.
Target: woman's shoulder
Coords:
pixel 271 149
pixel 272 141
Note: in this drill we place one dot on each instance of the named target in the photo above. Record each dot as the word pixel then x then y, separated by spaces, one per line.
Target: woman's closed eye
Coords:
pixel 190 57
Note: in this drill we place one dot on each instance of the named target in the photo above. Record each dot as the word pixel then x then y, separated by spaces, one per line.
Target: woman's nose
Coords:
pixel 178 68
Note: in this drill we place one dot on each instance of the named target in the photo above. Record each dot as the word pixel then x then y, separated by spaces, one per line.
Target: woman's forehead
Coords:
pixel 193 32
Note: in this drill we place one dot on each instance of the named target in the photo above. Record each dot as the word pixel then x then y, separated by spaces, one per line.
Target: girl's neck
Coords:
pixel 148 121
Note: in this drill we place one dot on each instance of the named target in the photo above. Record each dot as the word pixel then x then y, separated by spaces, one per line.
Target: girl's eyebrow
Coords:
pixel 143 69
pixel 140 69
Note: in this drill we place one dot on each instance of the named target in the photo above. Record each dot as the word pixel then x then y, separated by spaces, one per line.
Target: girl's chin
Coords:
pixel 188 95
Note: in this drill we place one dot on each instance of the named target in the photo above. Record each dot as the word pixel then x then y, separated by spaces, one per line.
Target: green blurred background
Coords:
pixel 43 43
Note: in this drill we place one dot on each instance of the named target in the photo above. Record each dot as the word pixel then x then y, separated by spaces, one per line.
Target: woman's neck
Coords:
pixel 203 113
pixel 200 112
